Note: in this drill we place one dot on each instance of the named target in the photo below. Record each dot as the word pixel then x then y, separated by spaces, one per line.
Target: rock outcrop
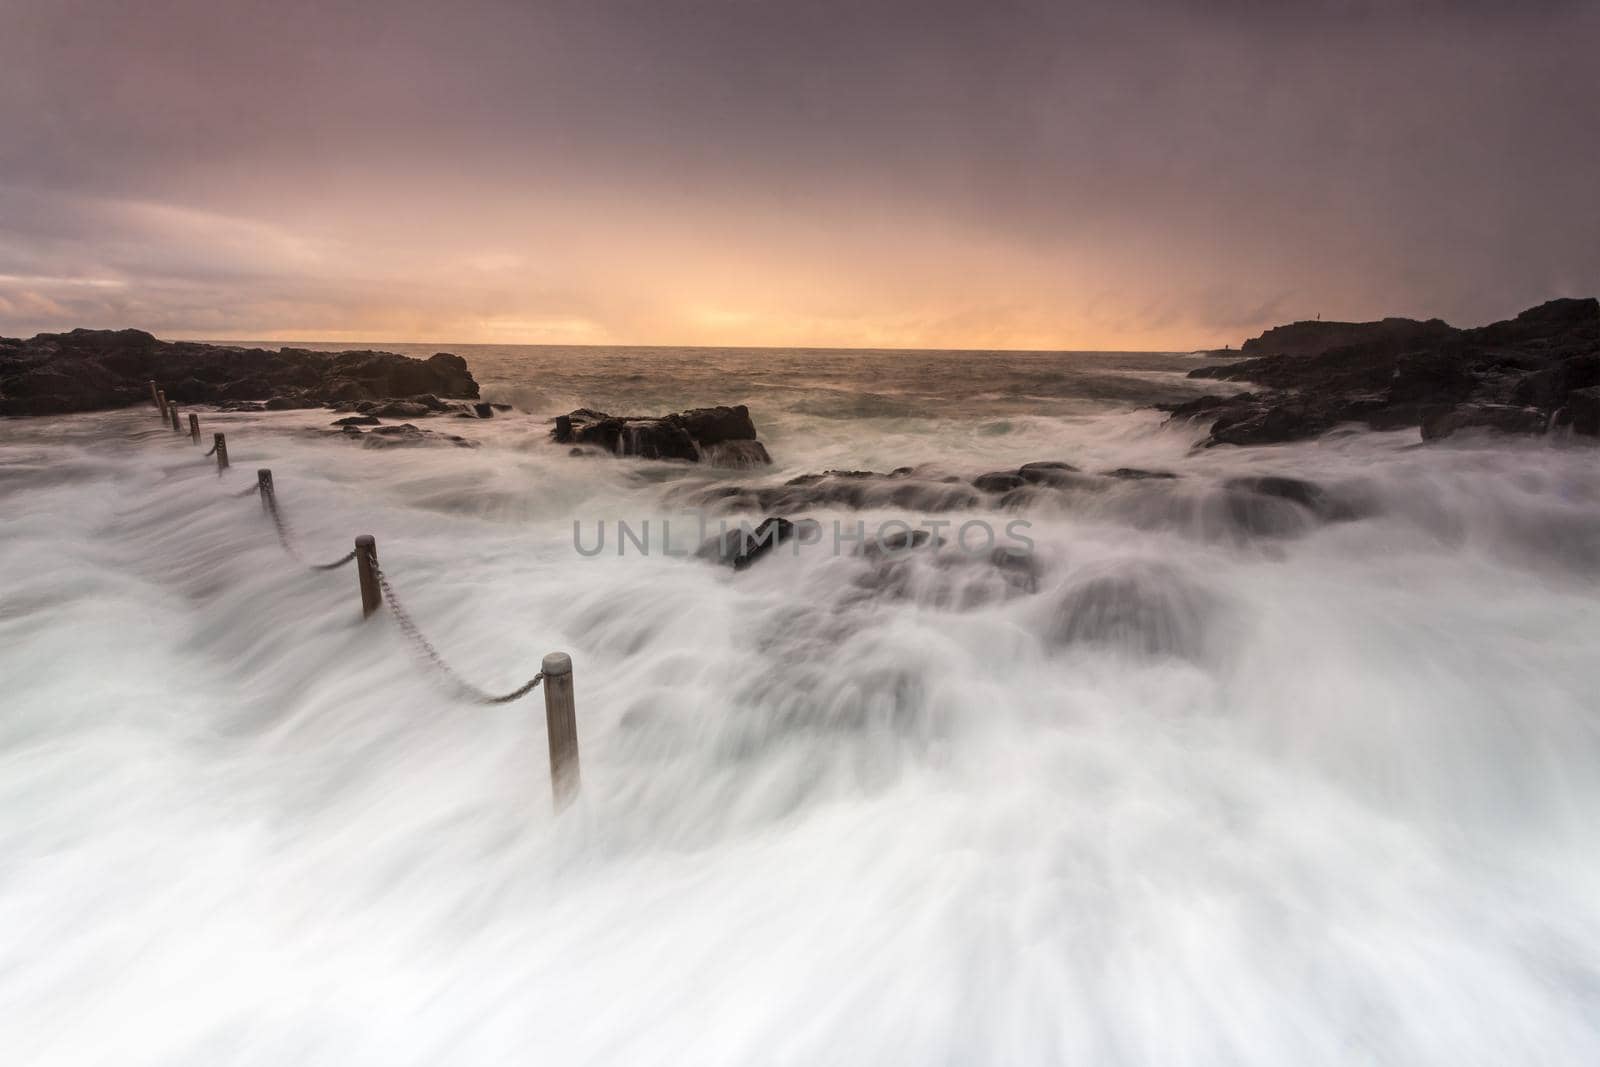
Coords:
pixel 1523 375
pixel 90 370
pixel 720 436
pixel 1310 338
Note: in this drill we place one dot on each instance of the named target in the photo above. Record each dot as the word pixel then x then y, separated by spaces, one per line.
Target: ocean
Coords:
pixel 1223 778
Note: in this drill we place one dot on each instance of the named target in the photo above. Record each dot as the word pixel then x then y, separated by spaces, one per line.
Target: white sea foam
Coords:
pixel 1345 811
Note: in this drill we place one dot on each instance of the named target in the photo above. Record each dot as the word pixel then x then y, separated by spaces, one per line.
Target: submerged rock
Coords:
pixel 740 547
pixel 1140 608
pixel 722 436
pixel 405 434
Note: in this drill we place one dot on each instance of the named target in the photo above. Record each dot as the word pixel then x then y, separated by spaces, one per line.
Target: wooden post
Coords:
pixel 367 572
pixel 161 402
pixel 155 394
pixel 222 450
pixel 174 412
pixel 264 487
pixel 561 723
pixel 194 427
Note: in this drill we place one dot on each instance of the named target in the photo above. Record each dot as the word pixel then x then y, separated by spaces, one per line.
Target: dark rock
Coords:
pixel 407 434
pixel 291 403
pixel 998 481
pixel 740 547
pixel 1583 410
pixel 736 454
pixel 1325 505
pixel 357 420
pixel 1309 338
pixel 1503 418
pixel 1511 376
pixel 401 409
pixel 88 370
pixel 1135 474
pixel 720 436
pixel 1053 473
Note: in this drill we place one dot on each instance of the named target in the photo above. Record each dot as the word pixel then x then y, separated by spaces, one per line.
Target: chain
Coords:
pixel 211 453
pixel 256 488
pixel 409 628
pixel 285 538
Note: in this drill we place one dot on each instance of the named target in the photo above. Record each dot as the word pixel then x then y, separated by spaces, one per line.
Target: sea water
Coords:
pixel 1203 790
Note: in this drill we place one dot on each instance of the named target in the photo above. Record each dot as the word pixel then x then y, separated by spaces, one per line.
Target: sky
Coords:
pixel 983 174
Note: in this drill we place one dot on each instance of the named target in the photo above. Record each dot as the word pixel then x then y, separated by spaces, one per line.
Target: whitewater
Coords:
pixel 1325 793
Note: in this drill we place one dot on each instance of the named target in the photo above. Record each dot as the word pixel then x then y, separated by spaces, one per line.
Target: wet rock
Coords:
pixel 291 403
pixel 1583 410
pixel 1502 418
pixel 740 547
pixel 898 543
pixel 1139 609
pixel 1136 474
pixel 998 481
pixel 693 436
pixel 88 370
pixel 930 572
pixel 401 409
pixel 357 420
pixel 406 434
pixel 1510 376
pixel 735 454
pixel 1321 502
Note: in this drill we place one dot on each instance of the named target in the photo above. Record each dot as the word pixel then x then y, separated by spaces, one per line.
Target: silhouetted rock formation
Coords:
pixel 88 370
pixel 721 436
pixel 1311 338
pixel 1523 375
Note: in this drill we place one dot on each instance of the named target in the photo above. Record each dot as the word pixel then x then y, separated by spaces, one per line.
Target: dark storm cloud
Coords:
pixel 1170 173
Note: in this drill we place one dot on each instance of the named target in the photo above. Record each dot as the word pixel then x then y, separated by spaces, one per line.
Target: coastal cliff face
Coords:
pixel 1531 374
pixel 89 370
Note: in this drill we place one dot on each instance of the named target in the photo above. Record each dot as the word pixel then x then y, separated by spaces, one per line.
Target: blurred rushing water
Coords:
pixel 1214 788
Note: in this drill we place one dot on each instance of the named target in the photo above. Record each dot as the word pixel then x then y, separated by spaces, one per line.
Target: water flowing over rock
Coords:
pixel 89 370
pixel 1511 377
pixel 719 436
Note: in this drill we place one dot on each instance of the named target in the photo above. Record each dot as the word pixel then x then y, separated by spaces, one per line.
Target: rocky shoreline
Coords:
pixel 94 370
pixel 1536 373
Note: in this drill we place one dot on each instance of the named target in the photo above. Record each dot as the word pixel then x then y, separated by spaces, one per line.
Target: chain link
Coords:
pixel 409 628
pixel 285 537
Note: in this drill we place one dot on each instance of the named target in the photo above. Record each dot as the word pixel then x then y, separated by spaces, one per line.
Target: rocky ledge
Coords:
pixel 89 370
pixel 1531 374
pixel 720 436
